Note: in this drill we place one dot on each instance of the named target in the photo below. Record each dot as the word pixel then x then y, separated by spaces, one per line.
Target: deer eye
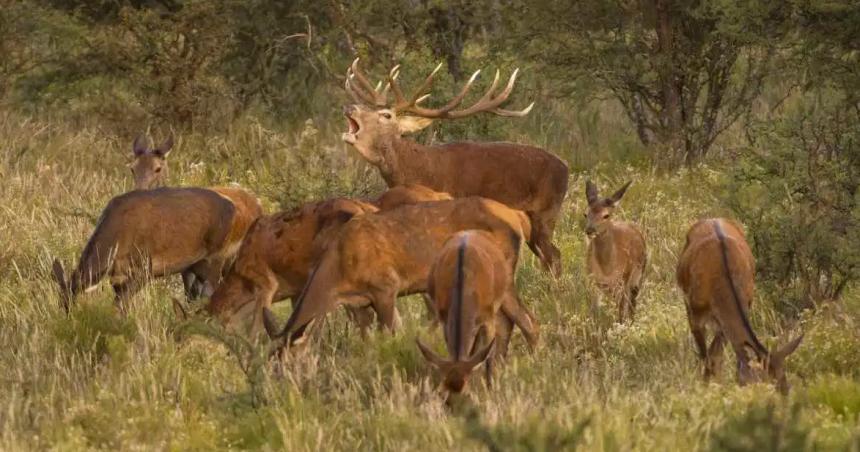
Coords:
pixel 158 170
pixel 386 115
pixel 585 215
pixel 605 216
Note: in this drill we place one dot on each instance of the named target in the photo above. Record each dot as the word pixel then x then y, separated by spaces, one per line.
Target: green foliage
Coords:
pixel 797 189
pixel 762 427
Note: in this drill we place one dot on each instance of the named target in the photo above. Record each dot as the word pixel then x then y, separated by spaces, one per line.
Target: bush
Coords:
pixel 797 189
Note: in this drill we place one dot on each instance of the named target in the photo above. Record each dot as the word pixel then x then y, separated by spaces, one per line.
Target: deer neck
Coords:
pixel 405 161
pixel 604 249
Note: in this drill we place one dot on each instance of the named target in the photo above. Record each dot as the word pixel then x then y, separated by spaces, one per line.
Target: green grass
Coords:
pixel 96 380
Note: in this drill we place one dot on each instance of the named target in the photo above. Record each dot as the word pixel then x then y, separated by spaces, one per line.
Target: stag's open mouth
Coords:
pixel 352 134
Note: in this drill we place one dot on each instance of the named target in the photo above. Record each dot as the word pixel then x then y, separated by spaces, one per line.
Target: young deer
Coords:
pixel 523 177
pixel 153 233
pixel 378 257
pixel 281 249
pixel 616 253
pixel 150 170
pixel 716 272
pixel 469 282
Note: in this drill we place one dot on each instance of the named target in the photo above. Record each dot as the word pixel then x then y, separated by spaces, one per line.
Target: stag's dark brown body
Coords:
pixel 523 177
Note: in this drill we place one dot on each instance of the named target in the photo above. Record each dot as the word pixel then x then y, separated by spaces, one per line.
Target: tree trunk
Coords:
pixel 672 119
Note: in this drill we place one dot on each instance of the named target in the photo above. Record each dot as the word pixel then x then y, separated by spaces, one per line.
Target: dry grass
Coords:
pixel 95 380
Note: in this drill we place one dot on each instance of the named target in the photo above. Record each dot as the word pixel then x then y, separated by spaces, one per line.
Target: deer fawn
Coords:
pixel 378 257
pixel 616 254
pixel 716 272
pixel 472 286
pixel 150 170
pixel 523 177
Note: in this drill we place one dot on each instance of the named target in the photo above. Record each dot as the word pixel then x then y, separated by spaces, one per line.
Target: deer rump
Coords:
pixel 152 233
pixel 378 257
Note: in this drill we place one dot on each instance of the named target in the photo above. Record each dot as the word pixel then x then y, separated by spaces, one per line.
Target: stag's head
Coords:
pixel 599 214
pixel 772 368
pixel 374 122
pixel 149 167
pixel 455 373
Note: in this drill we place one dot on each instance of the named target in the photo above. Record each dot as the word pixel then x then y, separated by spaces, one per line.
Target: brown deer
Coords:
pixel 716 272
pixel 378 257
pixel 150 170
pixel 153 233
pixel 280 251
pixel 523 177
pixel 469 282
pixel 616 254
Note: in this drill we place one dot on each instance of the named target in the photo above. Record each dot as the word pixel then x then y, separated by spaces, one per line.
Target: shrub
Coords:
pixel 797 189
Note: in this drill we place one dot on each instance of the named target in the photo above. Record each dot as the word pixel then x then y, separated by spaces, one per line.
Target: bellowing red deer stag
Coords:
pixel 280 251
pixel 523 177
pixel 616 253
pixel 153 233
pixel 716 272
pixel 150 170
pixel 471 280
pixel 378 257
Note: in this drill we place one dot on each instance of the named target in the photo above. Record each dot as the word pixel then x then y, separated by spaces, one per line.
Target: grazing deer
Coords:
pixel 280 251
pixel 150 170
pixel 153 233
pixel 276 258
pixel 716 272
pixel 469 282
pixel 378 257
pixel 616 252
pixel 523 177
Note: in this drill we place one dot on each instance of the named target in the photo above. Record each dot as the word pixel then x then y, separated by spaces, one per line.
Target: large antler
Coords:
pixel 489 102
pixel 360 88
pixel 363 92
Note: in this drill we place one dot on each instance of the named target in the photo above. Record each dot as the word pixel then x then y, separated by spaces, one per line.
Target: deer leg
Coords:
pixel 504 329
pixel 124 290
pixel 432 315
pixel 519 315
pixel 383 303
pixel 697 327
pixel 714 360
pixel 362 316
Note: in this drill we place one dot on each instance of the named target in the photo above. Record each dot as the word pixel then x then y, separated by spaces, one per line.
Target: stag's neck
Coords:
pixel 406 162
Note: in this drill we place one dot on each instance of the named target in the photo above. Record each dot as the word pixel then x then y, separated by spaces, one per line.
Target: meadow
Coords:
pixel 94 380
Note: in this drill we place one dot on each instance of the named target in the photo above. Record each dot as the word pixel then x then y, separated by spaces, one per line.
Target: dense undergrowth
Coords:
pixel 96 380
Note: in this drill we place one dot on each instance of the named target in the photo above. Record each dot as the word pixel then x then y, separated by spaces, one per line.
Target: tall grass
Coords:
pixel 96 380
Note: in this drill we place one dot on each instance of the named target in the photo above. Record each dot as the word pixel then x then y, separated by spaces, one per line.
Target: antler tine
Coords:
pixel 490 104
pixel 366 89
pixel 400 101
pixel 419 93
pixel 357 94
pixel 513 113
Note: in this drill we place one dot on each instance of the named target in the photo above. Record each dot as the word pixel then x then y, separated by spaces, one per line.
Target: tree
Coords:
pixel 684 71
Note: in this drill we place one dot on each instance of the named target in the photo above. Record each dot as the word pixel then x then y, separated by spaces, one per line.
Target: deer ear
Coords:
pixel 787 349
pixel 139 146
pixel 620 193
pixel 429 355
pixel 165 147
pixel 590 192
pixel 482 355
pixel 410 124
